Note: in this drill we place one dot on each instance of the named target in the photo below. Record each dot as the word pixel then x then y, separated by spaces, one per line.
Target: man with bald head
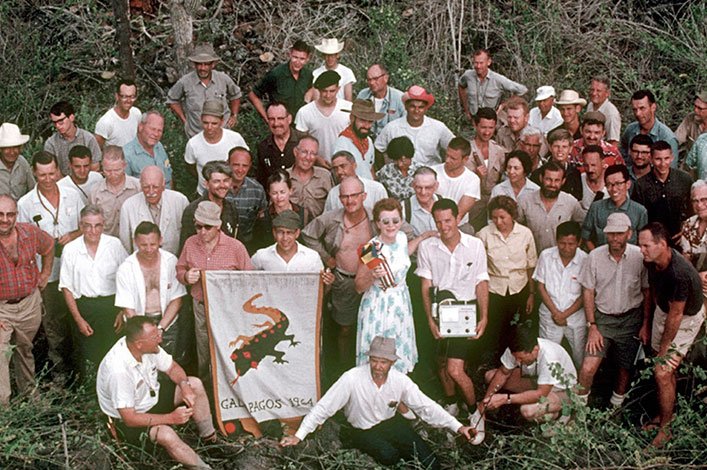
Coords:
pixel 385 98
pixel 336 236
pixel 155 204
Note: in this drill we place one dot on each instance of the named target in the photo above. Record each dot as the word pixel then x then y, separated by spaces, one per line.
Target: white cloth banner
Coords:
pixel 264 332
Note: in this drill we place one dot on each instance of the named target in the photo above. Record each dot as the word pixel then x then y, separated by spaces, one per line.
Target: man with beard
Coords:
pixel 593 187
pixel 640 153
pixel 355 139
pixel 544 209
pixel 593 133
pixel 276 151
pixel 326 117
pixel 187 97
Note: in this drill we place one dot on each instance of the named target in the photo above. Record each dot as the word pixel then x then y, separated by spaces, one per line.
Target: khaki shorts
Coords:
pixel 689 327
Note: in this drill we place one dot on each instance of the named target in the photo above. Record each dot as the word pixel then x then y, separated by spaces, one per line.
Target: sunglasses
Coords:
pixel 203 227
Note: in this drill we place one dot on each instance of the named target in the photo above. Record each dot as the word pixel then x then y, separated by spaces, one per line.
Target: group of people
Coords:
pixel 551 223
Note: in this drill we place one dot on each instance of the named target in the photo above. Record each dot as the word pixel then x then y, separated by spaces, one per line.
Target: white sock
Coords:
pixel 583 399
pixel 617 400
pixel 408 415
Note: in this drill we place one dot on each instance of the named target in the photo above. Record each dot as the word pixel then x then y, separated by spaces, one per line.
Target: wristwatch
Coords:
pixel 508 398
pixel 590 323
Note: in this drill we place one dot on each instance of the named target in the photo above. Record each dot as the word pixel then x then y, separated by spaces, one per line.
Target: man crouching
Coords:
pixel 129 393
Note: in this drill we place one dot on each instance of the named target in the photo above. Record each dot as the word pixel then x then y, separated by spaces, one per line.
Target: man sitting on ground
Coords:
pixel 132 397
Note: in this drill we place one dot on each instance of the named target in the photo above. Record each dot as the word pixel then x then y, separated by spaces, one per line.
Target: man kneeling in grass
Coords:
pixel 535 373
pixel 129 393
pixel 370 394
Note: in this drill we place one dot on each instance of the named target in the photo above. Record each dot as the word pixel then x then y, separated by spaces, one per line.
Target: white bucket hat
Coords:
pixel 330 46
pixel 10 135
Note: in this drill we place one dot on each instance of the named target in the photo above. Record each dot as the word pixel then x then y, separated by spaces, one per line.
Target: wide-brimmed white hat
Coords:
pixel 330 46
pixel 570 97
pixel 10 135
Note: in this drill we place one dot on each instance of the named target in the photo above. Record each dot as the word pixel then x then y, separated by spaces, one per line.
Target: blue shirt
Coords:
pixel 659 132
pixel 138 158
pixel 392 106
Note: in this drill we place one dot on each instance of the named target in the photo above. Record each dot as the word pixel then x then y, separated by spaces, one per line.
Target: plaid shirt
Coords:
pixel 250 202
pixel 19 280
pixel 228 255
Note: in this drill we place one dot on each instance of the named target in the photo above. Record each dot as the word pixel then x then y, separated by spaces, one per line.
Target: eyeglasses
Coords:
pixel 702 200
pixel 640 152
pixel 394 221
pixel 344 197
pixel 199 227
pixel 613 185
pixel 59 121
pixel 373 79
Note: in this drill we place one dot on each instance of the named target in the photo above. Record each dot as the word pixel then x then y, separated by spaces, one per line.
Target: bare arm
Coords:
pixel 170 312
pixel 672 324
pixel 179 111
pixel 463 100
pixel 364 278
pixel 645 332
pixel 425 285
pixel 348 92
pixel 47 264
pixel 499 380
pixel 100 140
pixel 465 205
pixel 234 105
pixel 258 105
pixel 595 340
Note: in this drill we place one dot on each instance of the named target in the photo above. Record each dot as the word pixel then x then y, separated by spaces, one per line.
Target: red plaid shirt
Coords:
pixel 612 156
pixel 19 280
pixel 228 255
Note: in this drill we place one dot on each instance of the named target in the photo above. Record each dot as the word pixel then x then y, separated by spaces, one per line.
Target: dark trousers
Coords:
pixel 390 441
pixel 505 311
pixel 100 313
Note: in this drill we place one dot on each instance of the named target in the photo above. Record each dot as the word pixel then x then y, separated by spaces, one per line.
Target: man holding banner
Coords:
pixel 210 249
pixel 370 394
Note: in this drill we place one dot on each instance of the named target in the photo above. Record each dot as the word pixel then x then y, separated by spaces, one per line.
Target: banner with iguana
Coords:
pixel 264 330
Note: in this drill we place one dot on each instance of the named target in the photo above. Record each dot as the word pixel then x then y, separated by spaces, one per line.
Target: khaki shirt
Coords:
pixel 509 259
pixel 494 165
pixel 312 194
pixel 617 285
pixel 111 203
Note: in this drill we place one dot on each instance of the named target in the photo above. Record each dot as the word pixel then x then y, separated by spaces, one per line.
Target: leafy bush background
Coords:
pixel 54 49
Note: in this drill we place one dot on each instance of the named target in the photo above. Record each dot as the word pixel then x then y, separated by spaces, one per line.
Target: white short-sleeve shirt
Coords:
pixel 85 276
pixel 123 382
pixel 305 260
pixel 198 151
pixel 459 271
pixel 326 129
pixel 116 130
pixel 553 366
pixel 454 188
